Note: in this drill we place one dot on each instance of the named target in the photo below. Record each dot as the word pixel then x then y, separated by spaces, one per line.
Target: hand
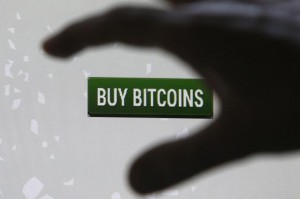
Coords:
pixel 249 54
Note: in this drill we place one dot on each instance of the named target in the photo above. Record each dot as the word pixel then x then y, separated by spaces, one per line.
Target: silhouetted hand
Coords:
pixel 249 54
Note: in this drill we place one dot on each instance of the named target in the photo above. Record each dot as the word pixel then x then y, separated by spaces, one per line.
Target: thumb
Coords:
pixel 176 161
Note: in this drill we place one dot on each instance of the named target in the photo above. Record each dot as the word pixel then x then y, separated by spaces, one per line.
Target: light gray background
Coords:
pixel 49 148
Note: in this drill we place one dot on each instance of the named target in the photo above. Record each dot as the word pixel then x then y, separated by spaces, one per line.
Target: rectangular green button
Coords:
pixel 149 97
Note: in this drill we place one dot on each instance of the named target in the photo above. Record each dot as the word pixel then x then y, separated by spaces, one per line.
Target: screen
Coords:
pixel 51 149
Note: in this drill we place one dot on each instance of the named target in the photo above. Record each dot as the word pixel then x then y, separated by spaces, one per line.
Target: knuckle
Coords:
pixel 129 14
pixel 124 12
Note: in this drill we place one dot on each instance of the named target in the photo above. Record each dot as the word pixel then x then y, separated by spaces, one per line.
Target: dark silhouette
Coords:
pixel 249 53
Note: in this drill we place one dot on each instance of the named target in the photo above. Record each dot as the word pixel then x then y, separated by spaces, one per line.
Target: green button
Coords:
pixel 149 97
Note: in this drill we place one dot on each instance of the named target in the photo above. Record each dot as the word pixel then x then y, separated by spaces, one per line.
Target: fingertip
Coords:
pixel 140 177
pixel 152 171
pixel 47 46
pixel 53 47
pixel 135 179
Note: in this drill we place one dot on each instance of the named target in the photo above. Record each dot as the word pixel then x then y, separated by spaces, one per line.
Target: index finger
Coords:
pixel 137 26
